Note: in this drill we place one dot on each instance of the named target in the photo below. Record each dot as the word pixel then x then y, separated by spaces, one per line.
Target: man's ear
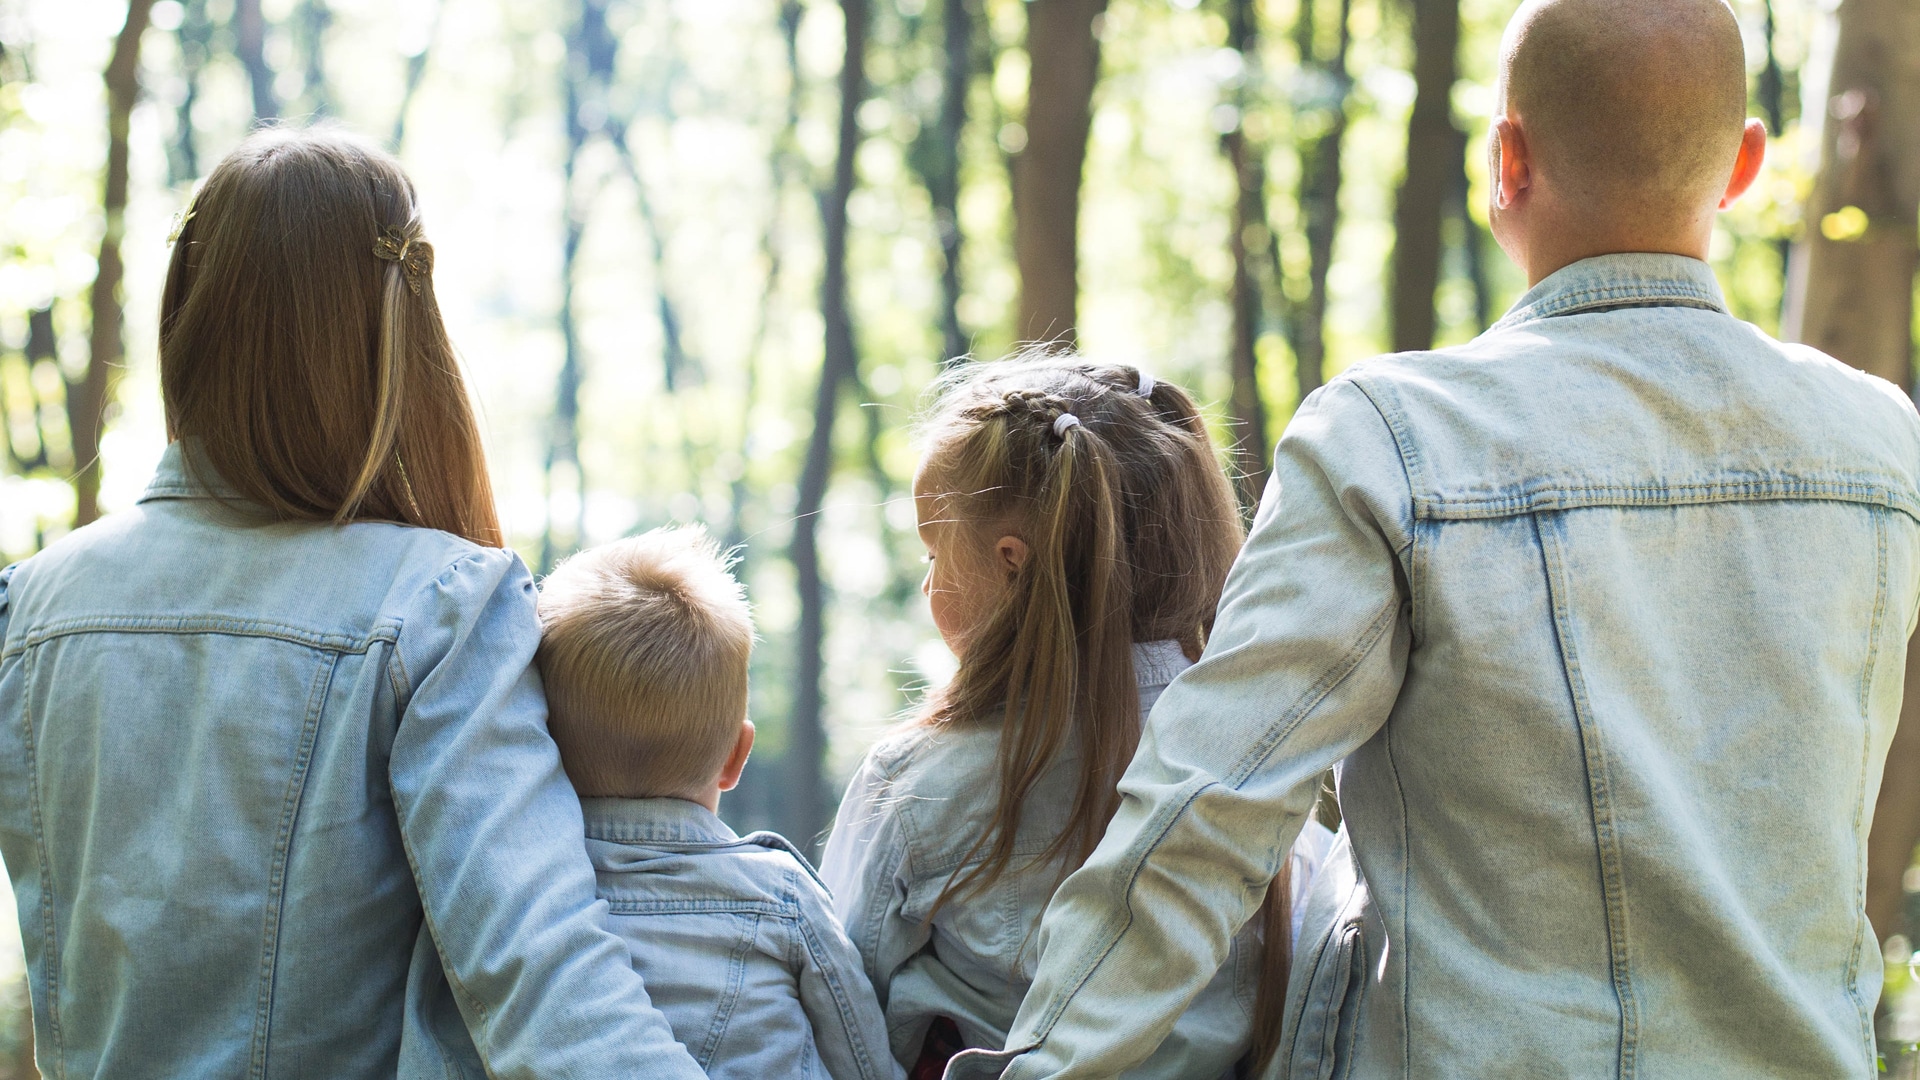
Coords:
pixel 737 761
pixel 1746 167
pixel 1013 553
pixel 1512 163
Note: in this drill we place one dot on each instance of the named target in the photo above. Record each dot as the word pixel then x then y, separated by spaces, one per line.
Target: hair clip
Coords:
pixel 405 247
pixel 1147 384
pixel 1066 422
pixel 179 225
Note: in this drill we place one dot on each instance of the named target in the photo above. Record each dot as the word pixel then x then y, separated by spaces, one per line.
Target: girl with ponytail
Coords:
pixel 1079 528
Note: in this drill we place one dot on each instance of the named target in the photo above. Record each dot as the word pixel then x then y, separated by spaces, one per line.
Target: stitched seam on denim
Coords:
pixel 426 916
pixel 194 624
pixel 1551 498
pixel 1406 908
pixel 282 848
pixel 1599 796
pixel 49 928
pixel 1860 799
pixel 1413 465
pixel 1291 1025
pixel 730 994
pixel 1350 941
pixel 829 974
pixel 1343 1063
pixel 1598 297
pixel 725 906
pixel 1117 925
pixel 1356 654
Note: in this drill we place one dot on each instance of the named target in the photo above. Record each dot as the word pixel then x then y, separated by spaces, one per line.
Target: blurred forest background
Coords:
pixel 702 256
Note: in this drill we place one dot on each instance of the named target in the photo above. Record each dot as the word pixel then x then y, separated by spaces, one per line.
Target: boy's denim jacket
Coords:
pixel 1605 615
pixel 279 801
pixel 736 941
pixel 909 821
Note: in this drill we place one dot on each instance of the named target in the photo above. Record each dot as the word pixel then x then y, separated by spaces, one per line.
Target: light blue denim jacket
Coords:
pixel 736 940
pixel 1605 615
pixel 911 817
pixel 279 801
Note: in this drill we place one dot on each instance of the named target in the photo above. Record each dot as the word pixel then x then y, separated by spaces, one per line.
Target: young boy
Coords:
pixel 644 653
pixel 1603 617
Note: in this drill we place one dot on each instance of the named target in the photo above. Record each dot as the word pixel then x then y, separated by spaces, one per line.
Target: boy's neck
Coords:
pixel 1548 249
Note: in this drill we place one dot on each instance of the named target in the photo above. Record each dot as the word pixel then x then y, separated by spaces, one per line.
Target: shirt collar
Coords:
pixel 172 479
pixel 1155 663
pixel 639 820
pixel 1615 281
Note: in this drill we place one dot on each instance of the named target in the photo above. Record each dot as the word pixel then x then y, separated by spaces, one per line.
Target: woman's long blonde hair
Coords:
pixel 302 354
pixel 1131 526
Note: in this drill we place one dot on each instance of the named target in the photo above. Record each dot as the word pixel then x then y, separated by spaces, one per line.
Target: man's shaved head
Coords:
pixel 1628 106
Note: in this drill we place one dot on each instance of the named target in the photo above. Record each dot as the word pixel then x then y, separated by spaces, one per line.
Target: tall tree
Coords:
pixel 312 20
pixel 939 156
pixel 1253 269
pixel 1064 64
pixel 195 37
pixel 1433 162
pixel 88 396
pixel 1325 119
pixel 1855 298
pixel 250 44
pixel 839 369
pixel 1852 297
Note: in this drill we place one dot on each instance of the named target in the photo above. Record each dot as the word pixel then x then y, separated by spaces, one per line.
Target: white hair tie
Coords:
pixel 1146 385
pixel 1060 426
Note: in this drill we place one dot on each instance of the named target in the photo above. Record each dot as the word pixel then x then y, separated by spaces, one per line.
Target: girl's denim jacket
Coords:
pixel 279 801
pixel 736 940
pixel 1605 615
pixel 909 820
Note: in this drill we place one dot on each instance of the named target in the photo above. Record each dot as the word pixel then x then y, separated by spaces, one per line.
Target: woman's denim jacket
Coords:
pixel 1605 614
pixel 736 940
pixel 909 822
pixel 279 801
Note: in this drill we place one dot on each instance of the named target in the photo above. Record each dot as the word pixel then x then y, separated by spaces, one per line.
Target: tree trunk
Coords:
pixel 1247 243
pixel 1852 297
pixel 1320 199
pixel 1065 63
pixel 88 397
pixel 1432 144
pixel 839 365
pixel 195 37
pixel 250 44
pixel 943 182
pixel 314 18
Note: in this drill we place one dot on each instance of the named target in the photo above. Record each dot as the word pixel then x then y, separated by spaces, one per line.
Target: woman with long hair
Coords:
pixel 276 789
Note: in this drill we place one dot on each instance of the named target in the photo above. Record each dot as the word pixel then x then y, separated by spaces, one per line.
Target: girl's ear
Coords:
pixel 1013 553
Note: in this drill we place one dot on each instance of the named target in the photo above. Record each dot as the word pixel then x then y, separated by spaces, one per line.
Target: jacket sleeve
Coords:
pixel 866 866
pixel 494 833
pixel 1304 665
pixel 848 1027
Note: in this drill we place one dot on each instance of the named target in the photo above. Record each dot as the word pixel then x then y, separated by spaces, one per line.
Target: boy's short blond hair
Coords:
pixel 644 649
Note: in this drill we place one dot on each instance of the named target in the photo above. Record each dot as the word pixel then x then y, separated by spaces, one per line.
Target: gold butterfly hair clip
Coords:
pixel 404 246
pixel 179 225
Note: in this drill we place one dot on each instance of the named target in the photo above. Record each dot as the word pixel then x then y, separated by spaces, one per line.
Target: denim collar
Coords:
pixel 1615 281
pixel 674 821
pixel 174 480
pixel 1155 663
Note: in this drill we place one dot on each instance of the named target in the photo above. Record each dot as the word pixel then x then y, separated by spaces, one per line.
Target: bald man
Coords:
pixel 1601 619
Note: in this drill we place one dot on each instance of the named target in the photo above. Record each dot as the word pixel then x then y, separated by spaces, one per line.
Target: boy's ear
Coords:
pixel 1013 553
pixel 737 761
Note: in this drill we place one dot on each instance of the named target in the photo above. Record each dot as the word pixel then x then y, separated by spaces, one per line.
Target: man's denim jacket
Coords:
pixel 279 801
pixel 1605 617
pixel 909 822
pixel 736 941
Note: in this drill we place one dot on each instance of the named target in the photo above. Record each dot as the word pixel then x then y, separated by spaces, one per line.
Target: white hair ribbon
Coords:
pixel 1060 426
pixel 1146 385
